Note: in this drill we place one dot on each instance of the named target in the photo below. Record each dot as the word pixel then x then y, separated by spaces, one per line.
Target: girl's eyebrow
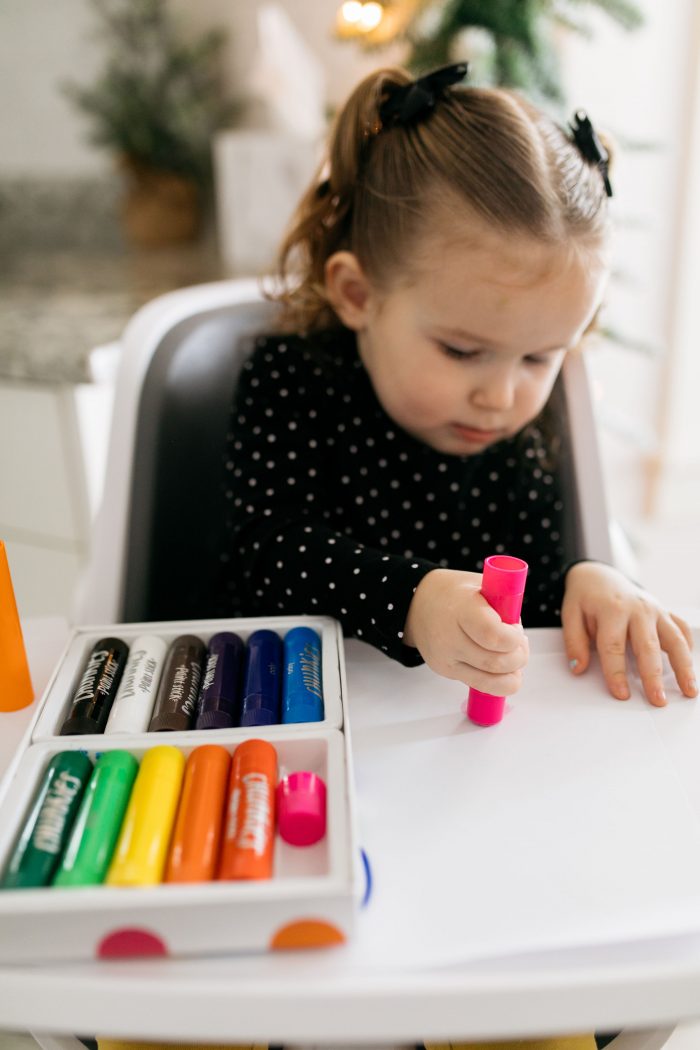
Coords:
pixel 480 340
pixel 468 337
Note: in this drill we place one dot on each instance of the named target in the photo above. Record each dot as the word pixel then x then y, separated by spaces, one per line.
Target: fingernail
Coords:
pixel 573 664
pixel 692 686
pixel 621 692
pixel 660 696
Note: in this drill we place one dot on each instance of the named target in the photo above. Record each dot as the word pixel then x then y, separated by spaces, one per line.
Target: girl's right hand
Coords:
pixel 460 636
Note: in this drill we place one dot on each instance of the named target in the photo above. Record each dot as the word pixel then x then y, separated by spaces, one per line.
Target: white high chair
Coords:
pixel 156 532
pixel 179 363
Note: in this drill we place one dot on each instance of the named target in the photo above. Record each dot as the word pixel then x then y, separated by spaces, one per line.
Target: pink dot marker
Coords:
pixel 503 587
pixel 301 808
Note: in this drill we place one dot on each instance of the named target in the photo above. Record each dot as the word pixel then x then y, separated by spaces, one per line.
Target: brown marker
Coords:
pixel 176 703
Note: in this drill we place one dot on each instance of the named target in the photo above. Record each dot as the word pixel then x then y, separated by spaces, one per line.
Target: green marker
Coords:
pixel 41 841
pixel 99 821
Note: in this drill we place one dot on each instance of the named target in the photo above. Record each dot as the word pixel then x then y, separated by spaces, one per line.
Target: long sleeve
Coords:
pixel 290 552
pixel 332 509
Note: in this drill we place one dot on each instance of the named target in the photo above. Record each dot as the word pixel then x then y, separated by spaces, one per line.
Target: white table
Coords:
pixel 317 997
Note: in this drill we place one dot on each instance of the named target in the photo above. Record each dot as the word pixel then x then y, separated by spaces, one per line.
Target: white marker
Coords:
pixel 133 705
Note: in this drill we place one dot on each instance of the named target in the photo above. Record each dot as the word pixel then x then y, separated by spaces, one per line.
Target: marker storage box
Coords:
pixel 311 898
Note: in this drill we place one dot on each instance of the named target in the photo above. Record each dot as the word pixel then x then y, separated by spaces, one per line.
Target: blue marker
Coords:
pixel 261 680
pixel 302 699
pixel 221 686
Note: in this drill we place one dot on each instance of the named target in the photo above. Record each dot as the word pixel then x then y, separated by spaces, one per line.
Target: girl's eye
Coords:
pixel 532 360
pixel 458 355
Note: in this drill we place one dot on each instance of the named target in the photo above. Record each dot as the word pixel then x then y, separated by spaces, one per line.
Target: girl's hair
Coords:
pixel 378 189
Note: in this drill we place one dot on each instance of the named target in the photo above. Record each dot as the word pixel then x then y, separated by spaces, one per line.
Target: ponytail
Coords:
pixel 322 222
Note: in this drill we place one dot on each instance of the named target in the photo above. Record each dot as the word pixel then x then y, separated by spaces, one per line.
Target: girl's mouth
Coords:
pixel 476 436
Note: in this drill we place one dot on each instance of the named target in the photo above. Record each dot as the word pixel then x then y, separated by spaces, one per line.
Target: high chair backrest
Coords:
pixel 158 534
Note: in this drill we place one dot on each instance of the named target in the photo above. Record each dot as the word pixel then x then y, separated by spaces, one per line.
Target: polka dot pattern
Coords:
pixel 330 508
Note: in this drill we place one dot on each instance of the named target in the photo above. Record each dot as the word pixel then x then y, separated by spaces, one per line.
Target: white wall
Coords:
pixel 680 419
pixel 315 19
pixel 44 43
pixel 640 85
pixel 41 45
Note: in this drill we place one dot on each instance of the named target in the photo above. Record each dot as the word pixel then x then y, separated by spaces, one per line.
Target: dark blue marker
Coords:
pixel 218 701
pixel 261 680
pixel 302 699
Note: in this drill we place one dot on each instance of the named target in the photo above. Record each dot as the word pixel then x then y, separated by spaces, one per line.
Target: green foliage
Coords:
pixel 520 33
pixel 159 99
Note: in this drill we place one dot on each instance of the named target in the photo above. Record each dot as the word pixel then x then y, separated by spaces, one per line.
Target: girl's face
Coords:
pixel 468 353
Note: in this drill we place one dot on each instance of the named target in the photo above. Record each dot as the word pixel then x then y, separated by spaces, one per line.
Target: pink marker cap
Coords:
pixel 503 585
pixel 301 808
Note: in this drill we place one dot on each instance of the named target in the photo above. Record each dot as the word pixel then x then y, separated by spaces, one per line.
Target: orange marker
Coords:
pixel 249 823
pixel 16 688
pixel 194 849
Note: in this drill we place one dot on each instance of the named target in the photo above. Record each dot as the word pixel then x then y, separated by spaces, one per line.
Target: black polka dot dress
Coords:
pixel 333 509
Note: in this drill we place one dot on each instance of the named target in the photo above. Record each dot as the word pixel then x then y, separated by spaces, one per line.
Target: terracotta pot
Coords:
pixel 158 207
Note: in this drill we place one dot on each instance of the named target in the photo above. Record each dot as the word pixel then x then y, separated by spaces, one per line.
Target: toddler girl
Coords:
pixel 451 254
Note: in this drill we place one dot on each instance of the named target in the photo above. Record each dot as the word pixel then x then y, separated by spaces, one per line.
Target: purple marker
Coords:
pixel 503 586
pixel 261 680
pixel 221 686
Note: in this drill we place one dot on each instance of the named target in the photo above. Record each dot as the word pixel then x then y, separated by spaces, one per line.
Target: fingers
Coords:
pixel 493 661
pixel 684 629
pixel 487 630
pixel 646 646
pixel 677 643
pixel 650 634
pixel 495 684
pixel 611 643
pixel 497 673
pixel 576 640
pixel 490 654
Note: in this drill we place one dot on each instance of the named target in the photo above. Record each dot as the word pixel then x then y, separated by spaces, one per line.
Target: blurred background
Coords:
pixel 151 144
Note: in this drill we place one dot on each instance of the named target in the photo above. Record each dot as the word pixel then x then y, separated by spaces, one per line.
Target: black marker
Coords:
pixel 98 687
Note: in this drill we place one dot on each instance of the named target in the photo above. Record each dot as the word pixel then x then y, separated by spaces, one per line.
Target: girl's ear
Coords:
pixel 348 289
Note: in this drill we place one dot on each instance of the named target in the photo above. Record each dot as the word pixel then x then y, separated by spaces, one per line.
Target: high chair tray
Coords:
pixel 408 991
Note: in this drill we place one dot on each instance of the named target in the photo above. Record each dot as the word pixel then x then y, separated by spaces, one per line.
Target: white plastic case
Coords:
pixel 310 901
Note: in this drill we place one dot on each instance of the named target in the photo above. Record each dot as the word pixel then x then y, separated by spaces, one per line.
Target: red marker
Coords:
pixel 503 587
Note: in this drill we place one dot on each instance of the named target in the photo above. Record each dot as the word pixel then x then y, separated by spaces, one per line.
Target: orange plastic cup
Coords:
pixel 249 827
pixel 16 689
pixel 194 848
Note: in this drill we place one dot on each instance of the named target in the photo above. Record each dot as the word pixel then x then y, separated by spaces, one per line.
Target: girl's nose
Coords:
pixel 495 391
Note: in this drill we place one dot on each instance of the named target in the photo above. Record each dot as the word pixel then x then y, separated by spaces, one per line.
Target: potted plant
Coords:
pixel 156 105
pixel 508 42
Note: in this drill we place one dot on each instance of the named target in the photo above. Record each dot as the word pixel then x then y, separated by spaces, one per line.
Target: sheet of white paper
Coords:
pixel 566 825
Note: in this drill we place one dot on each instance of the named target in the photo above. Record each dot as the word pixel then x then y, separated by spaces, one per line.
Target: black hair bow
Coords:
pixel 590 147
pixel 410 102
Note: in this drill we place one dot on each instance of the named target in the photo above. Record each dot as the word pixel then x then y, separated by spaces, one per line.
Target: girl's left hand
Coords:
pixel 602 606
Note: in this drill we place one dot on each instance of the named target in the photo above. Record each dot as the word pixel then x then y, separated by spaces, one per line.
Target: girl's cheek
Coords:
pixel 428 401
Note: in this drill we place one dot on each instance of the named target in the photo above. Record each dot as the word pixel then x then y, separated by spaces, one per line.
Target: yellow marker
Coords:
pixel 140 855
